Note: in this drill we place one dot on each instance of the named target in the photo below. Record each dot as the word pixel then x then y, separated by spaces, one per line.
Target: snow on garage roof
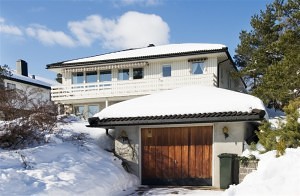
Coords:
pixel 186 100
pixel 151 51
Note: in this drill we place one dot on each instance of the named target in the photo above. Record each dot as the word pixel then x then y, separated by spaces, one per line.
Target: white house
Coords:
pixel 93 83
pixel 174 137
pixel 31 84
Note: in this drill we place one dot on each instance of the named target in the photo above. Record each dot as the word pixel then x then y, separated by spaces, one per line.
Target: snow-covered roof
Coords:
pixel 151 51
pixel 39 81
pixel 186 100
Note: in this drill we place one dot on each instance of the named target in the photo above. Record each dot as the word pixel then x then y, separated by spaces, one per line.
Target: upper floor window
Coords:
pixel 166 71
pixel 11 86
pixel 197 68
pixel 123 74
pixel 138 73
pixel 77 78
pixel 105 75
pixel 91 76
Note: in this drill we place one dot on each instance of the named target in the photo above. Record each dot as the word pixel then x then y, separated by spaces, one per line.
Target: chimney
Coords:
pixel 22 67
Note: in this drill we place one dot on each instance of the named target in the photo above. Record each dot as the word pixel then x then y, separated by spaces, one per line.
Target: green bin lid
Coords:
pixel 227 155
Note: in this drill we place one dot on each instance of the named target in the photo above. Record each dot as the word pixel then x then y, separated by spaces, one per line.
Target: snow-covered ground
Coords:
pixel 74 162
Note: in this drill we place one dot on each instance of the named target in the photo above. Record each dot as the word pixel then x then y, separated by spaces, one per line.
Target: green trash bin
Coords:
pixel 228 170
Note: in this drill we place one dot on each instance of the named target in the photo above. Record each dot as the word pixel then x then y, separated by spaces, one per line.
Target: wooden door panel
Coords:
pixel 177 155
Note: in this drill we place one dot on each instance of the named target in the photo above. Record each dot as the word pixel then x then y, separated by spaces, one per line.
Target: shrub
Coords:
pixel 29 116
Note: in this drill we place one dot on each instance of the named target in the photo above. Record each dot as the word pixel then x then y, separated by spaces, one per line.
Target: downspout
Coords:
pixel 109 135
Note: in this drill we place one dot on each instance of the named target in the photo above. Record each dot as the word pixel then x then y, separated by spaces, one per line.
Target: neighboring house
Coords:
pixel 21 80
pixel 174 137
pixel 91 84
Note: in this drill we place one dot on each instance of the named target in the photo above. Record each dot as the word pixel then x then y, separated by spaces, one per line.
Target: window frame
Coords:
pixel 168 74
pixel 193 70
pixel 121 71
pixel 135 70
pixel 11 86
pixel 103 71
pixel 87 74
pixel 81 76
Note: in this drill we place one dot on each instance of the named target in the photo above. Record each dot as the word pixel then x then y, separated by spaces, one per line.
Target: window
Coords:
pixel 79 110
pixel 123 74
pixel 91 76
pixel 92 110
pixel 105 75
pixel 77 78
pixel 166 71
pixel 138 73
pixel 11 86
pixel 197 68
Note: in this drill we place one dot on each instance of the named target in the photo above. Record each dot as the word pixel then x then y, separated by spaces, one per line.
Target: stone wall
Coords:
pixel 246 168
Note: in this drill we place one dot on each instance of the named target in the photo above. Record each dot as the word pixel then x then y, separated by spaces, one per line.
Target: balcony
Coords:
pixel 127 88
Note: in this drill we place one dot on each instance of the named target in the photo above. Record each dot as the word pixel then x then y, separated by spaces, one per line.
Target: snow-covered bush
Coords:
pixel 28 118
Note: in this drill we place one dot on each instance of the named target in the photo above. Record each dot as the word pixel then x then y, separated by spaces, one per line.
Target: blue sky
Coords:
pixel 48 31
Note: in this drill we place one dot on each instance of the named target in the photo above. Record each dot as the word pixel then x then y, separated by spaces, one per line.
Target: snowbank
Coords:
pixel 72 163
pixel 274 176
pixel 186 100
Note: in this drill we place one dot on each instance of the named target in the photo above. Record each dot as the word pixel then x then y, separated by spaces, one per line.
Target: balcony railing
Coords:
pixel 127 88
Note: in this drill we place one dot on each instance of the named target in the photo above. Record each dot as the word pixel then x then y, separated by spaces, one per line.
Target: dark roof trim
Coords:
pixel 120 60
pixel 27 82
pixel 255 115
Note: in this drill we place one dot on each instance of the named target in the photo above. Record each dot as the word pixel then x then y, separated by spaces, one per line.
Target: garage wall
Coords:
pixel 128 148
pixel 232 144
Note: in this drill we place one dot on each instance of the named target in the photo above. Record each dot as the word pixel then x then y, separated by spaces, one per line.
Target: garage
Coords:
pixel 177 156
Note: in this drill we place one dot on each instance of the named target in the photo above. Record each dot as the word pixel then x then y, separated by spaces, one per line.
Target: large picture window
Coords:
pixel 123 74
pixel 92 110
pixel 79 110
pixel 105 75
pixel 91 76
pixel 138 73
pixel 77 78
pixel 166 70
pixel 197 68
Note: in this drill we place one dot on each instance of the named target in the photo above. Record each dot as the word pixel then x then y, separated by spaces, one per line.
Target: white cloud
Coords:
pixel 49 37
pixel 9 29
pixel 133 29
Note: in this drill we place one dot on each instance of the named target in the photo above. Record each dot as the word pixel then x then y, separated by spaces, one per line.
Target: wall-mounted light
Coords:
pixel 225 131
pixel 123 135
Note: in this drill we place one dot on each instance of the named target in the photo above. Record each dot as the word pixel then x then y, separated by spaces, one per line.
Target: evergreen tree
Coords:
pixel 268 56
pixel 286 135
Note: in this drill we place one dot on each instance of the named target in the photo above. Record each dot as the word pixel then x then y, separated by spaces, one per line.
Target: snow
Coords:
pixel 274 176
pixel 71 163
pixel 186 100
pixel 151 51
pixel 74 162
pixel 38 80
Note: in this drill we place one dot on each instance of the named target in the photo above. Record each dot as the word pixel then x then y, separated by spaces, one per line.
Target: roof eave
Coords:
pixel 95 121
pixel 120 60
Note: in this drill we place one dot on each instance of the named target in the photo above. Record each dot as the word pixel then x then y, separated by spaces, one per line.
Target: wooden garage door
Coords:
pixel 177 156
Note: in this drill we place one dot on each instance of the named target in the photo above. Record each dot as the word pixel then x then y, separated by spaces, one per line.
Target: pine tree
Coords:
pixel 269 55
